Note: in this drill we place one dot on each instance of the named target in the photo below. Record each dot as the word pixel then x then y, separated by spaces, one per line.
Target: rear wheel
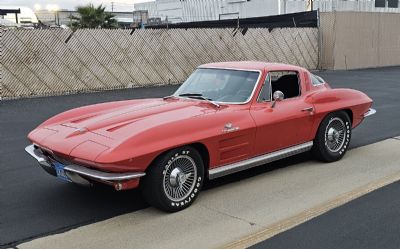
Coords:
pixel 174 180
pixel 333 137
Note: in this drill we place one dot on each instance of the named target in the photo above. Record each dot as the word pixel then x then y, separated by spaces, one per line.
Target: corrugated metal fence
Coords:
pixel 51 62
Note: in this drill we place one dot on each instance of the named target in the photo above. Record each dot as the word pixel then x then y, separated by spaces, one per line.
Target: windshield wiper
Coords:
pixel 169 97
pixel 191 95
pixel 200 96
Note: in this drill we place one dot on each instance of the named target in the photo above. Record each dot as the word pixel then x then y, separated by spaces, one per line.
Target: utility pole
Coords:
pixel 112 7
pixel 16 15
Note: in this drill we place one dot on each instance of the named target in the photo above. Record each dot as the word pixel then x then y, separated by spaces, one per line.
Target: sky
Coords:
pixel 119 5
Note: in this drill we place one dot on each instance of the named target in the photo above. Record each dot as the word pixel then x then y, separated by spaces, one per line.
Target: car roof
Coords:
pixel 251 65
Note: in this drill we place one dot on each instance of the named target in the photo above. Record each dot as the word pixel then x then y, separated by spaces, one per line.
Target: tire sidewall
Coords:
pixel 165 161
pixel 324 153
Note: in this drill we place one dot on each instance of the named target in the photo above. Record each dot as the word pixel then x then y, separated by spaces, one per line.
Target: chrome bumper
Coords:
pixel 370 112
pixel 79 174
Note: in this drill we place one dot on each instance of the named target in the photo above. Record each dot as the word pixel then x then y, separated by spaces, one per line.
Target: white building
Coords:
pixel 27 16
pixel 201 10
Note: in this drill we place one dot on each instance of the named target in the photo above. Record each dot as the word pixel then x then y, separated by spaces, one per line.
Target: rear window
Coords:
pixel 316 80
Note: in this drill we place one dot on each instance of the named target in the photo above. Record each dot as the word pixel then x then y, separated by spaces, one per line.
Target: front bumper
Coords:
pixel 82 175
pixel 370 112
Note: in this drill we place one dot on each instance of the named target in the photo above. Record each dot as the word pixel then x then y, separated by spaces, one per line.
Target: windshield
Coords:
pixel 221 85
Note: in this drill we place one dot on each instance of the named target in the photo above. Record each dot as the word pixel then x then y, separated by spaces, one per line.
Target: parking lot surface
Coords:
pixel 34 204
pixel 372 221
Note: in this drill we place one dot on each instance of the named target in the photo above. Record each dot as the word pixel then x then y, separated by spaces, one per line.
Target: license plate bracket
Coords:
pixel 61 172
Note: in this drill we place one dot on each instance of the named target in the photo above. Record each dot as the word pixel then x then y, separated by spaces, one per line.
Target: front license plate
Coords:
pixel 61 172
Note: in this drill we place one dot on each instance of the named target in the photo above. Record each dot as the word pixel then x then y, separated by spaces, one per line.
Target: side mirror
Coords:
pixel 277 96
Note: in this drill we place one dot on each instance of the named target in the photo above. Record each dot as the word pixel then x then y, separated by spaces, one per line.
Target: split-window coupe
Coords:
pixel 226 117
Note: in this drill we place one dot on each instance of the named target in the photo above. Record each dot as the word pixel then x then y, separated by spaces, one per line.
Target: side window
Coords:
pixel 287 82
pixel 265 93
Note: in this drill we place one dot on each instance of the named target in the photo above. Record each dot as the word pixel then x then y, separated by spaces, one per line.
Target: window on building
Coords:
pixel 393 3
pixel 380 3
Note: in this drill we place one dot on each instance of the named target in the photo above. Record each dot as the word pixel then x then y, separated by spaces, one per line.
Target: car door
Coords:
pixel 287 122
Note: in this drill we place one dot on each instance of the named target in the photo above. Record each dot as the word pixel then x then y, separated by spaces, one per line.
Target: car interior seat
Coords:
pixel 288 85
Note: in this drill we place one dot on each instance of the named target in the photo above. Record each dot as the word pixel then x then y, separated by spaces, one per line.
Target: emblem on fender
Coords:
pixel 230 128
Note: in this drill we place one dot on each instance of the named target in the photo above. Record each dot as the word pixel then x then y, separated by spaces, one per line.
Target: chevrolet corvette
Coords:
pixel 225 118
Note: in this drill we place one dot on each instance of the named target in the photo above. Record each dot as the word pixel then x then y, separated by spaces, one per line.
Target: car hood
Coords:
pixel 141 116
pixel 108 127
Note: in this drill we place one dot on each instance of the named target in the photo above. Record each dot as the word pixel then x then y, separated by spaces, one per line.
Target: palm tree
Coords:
pixel 94 17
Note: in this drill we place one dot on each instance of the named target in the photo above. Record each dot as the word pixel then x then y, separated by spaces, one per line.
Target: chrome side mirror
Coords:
pixel 277 96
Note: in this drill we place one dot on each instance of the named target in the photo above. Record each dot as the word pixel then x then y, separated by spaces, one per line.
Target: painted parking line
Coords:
pixel 311 213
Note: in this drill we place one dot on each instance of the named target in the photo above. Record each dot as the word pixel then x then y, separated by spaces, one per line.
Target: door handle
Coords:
pixel 308 109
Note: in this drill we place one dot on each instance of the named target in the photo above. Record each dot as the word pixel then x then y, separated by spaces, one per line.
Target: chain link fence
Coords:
pixel 52 62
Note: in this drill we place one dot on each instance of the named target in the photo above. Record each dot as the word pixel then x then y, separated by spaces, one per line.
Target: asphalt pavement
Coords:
pixel 34 204
pixel 371 221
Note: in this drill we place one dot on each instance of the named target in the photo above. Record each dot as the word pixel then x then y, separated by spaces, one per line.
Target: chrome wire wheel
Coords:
pixel 180 178
pixel 335 134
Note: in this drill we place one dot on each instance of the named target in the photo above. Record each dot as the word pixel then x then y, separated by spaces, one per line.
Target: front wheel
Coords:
pixel 174 180
pixel 333 137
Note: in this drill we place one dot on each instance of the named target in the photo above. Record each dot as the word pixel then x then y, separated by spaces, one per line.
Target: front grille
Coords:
pixel 53 157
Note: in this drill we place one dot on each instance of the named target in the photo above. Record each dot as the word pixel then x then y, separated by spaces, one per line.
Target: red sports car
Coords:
pixel 226 117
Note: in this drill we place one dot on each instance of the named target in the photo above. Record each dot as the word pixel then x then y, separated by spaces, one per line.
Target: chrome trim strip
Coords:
pixel 259 160
pixel 80 170
pixel 370 112
pixel 103 176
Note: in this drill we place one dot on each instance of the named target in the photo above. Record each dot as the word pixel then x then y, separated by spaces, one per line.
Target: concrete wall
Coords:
pixel 351 40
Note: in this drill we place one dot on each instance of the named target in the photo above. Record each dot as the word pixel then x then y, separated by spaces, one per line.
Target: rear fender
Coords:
pixel 326 102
